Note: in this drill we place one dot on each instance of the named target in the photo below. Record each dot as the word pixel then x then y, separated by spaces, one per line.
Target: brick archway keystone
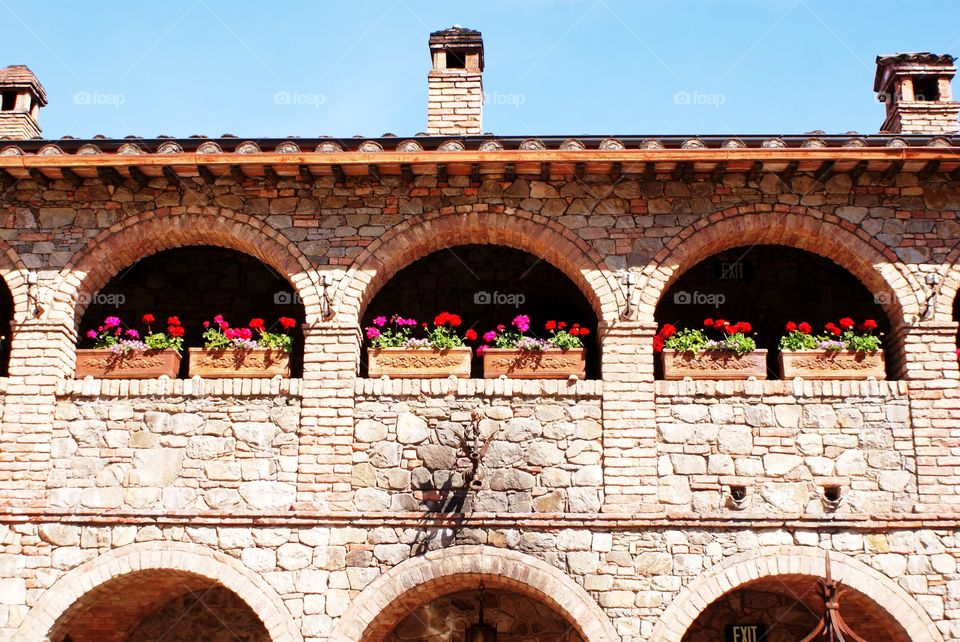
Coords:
pixel 137 237
pixel 188 558
pixel 394 594
pixel 793 560
pixel 875 265
pixel 482 225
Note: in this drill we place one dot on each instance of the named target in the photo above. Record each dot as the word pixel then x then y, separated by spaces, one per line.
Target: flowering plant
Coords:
pixel 111 335
pixel 400 332
pixel 515 337
pixel 220 336
pixel 734 337
pixel 836 336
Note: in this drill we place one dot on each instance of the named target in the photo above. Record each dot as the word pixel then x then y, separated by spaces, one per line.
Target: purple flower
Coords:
pixel 489 336
pixel 373 333
pixel 111 322
pixel 91 334
pixel 380 321
pixel 133 334
pixel 481 350
pixel 522 322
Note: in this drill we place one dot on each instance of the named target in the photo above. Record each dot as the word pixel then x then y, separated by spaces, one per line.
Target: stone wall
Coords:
pixel 542 453
pixel 784 442
pixel 174 452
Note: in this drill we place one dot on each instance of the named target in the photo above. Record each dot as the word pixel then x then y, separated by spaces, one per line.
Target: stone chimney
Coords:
pixel 455 83
pixel 21 97
pixel 916 90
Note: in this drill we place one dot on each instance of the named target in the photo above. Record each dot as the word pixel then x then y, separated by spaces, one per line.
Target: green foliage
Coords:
pixel 565 341
pixel 276 341
pixel 687 340
pixel 797 340
pixel 861 342
pixel 444 337
pixel 161 341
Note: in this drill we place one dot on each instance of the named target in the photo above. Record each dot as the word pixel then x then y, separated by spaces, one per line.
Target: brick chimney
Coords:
pixel 916 90
pixel 455 83
pixel 21 97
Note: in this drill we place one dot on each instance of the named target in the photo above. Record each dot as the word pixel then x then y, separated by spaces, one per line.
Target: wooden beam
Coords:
pixel 544 172
pixel 616 170
pixel 786 176
pixel 206 174
pixel 7 180
pixel 955 175
pixel 755 170
pixel 406 171
pixel 137 174
pixel 683 172
pixel 237 173
pixel 579 169
pixel 42 179
pixel 510 172
pixel 172 177
pixel 72 177
pixel 475 176
pixel 893 170
pixel 858 171
pixel 270 174
pixel 650 171
pixel 306 174
pixel 374 172
pixel 338 174
pixel 441 172
pixel 110 176
pixel 718 171
pixel 928 170
pixel 825 169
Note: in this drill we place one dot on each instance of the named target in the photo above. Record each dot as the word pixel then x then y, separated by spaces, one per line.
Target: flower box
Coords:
pixel 129 364
pixel 418 363
pixel 832 364
pixel 236 362
pixel 534 364
pixel 714 364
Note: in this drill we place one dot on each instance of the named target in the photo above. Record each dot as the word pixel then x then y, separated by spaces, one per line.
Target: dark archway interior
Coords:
pixel 155 605
pixel 768 285
pixel 516 617
pixel 196 283
pixel 956 317
pixel 6 327
pixel 789 607
pixel 487 285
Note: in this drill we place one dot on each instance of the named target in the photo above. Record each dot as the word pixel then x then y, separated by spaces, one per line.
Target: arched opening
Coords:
pixel 6 327
pixel 786 608
pixel 487 285
pixel 195 283
pixel 159 604
pixel 516 617
pixel 767 286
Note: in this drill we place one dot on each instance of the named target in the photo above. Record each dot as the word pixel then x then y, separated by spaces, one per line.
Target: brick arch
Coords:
pixel 484 225
pixel 136 237
pixel 187 560
pixel 394 594
pixel 875 265
pixel 947 295
pixel 777 561
pixel 14 273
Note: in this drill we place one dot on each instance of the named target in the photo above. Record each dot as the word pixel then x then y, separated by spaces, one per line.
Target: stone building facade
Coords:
pixel 621 508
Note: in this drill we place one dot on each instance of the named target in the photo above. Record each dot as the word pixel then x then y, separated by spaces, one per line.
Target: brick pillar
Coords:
pixel 41 354
pixel 331 354
pixel 629 417
pixel 930 365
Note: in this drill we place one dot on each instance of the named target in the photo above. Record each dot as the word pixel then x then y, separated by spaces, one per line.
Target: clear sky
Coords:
pixel 274 69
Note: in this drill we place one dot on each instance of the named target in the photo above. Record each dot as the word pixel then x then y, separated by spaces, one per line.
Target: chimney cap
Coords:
pixel 918 59
pixel 456 36
pixel 20 77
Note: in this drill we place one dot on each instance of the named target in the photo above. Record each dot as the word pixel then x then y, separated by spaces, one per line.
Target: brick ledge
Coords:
pixel 385 387
pixel 164 387
pixel 794 388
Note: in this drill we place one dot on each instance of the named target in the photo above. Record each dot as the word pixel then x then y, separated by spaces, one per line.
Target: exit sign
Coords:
pixel 739 270
pixel 746 632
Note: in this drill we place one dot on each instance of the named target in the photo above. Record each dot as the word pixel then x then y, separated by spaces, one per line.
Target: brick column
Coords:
pixel 41 354
pixel 331 354
pixel 629 417
pixel 930 365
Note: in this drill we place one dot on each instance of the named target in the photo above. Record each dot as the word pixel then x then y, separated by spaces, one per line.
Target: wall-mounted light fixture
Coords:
pixel 629 282
pixel 326 302
pixel 481 631
pixel 930 304
pixel 33 294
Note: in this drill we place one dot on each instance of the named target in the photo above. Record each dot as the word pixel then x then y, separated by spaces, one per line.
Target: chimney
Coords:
pixel 916 90
pixel 455 83
pixel 21 97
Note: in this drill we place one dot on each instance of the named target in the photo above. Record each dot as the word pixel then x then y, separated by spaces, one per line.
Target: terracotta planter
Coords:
pixel 418 363
pixel 220 364
pixel 533 364
pixel 132 364
pixel 832 364
pixel 714 364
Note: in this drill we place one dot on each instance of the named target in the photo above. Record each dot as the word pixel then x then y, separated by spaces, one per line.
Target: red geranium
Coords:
pixel 175 330
pixel 708 323
pixel 550 325
pixel 731 329
pixel 584 332
pixel 868 325
pixel 173 321
pixel 668 331
pixel 286 322
pixel 445 318
pixel 805 328
pixel 575 331
pixel 658 342
pixel 846 323
pixel 833 329
pixel 561 324
pixel 791 326
pixel 744 327
pixel 257 324
pixel 470 335
pixel 719 324
pixel 149 318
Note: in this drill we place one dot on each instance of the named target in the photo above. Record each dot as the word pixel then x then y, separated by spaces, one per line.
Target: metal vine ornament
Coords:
pixel 831 627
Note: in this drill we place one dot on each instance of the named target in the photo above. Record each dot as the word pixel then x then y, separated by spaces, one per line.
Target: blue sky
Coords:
pixel 273 69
